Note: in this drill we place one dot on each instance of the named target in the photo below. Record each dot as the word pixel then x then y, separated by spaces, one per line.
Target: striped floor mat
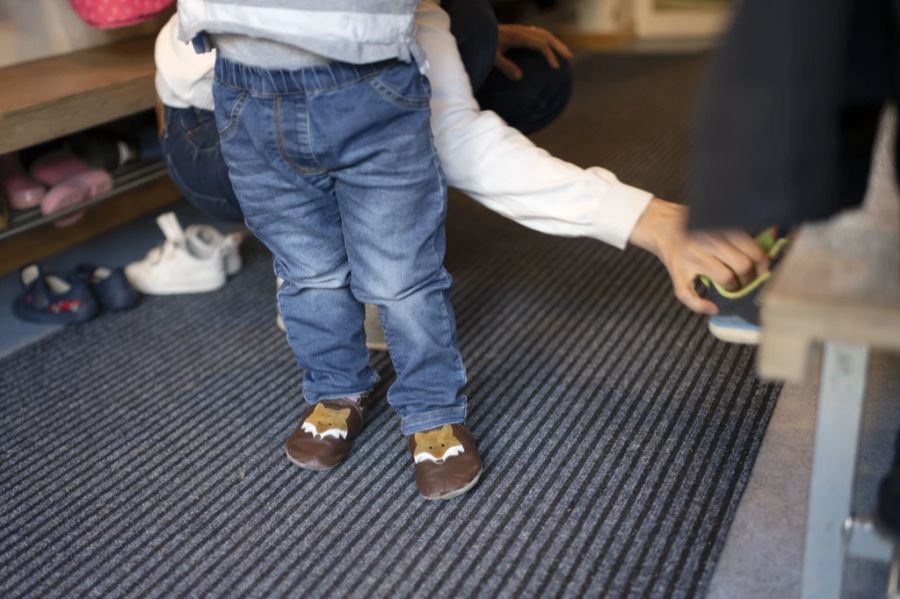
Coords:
pixel 141 453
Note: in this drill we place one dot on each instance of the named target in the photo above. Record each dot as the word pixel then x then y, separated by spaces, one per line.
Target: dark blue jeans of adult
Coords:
pixel 335 170
pixel 191 144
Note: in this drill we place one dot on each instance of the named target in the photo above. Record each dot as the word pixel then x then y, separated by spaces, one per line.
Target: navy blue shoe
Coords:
pixel 110 287
pixel 738 317
pixel 53 300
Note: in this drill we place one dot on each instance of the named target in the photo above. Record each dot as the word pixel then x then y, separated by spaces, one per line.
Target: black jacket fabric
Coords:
pixel 787 121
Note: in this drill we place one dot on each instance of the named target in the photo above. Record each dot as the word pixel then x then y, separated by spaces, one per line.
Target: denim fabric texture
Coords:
pixel 336 172
pixel 190 143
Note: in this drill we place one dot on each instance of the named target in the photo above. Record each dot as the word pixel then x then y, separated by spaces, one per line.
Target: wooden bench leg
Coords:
pixel 841 397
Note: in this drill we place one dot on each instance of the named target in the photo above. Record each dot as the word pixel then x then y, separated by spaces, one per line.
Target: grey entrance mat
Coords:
pixel 142 452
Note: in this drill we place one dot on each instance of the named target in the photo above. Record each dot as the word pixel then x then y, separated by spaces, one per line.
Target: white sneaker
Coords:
pixel 203 239
pixel 182 265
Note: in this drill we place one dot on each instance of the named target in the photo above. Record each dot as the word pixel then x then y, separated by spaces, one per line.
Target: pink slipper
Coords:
pixel 62 196
pixel 72 181
pixel 20 190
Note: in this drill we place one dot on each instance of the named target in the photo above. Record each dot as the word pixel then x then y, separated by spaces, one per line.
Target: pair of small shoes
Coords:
pixel 738 318
pixel 196 260
pixel 70 181
pixel 77 297
pixel 109 286
pixel 51 299
pixel 446 459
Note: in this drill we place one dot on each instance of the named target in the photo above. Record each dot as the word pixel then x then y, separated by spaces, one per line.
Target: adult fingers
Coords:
pixel 742 266
pixel 683 286
pixel 746 244
pixel 555 42
pixel 718 271
pixel 539 42
pixel 507 67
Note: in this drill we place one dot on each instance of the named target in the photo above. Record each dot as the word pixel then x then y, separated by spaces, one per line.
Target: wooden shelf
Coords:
pixel 840 281
pixel 49 98
pixel 47 240
pixel 124 180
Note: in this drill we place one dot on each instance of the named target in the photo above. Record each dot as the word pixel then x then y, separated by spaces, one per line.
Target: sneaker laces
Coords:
pixel 162 253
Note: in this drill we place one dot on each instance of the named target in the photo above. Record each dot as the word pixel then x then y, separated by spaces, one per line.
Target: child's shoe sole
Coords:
pixel 734 330
pixel 457 492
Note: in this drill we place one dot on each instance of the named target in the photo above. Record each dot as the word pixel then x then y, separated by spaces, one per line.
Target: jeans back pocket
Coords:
pixel 229 102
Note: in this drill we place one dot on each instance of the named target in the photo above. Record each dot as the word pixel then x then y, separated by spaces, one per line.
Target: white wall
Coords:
pixel 603 16
pixel 32 29
pixel 642 16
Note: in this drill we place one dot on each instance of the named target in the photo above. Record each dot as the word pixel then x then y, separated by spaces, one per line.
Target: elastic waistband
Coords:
pixel 316 78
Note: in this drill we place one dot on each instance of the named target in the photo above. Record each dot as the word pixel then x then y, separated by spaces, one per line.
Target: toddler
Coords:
pixel 323 115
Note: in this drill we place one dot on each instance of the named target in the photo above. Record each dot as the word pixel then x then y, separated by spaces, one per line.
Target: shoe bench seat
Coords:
pixel 52 97
pixel 839 281
pixel 839 285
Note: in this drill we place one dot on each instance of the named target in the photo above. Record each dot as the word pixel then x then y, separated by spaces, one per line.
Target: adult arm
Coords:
pixel 503 170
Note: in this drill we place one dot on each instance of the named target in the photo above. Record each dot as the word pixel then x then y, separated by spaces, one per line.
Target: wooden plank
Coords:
pixel 840 280
pixel 580 39
pixel 783 356
pixel 49 98
pixel 46 241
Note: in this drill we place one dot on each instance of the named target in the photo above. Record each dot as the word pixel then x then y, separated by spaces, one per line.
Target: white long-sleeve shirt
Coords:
pixel 481 155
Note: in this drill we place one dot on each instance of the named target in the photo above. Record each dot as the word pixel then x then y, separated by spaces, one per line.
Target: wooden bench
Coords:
pixel 839 285
pixel 53 97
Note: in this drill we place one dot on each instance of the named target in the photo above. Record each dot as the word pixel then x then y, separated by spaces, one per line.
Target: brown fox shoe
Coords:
pixel 446 460
pixel 322 439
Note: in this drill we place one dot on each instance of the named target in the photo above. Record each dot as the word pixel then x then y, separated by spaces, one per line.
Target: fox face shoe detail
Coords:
pixel 437 446
pixel 323 437
pixel 325 422
pixel 447 463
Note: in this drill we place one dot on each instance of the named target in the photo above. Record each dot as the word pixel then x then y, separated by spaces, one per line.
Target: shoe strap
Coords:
pixel 360 406
pixel 170 227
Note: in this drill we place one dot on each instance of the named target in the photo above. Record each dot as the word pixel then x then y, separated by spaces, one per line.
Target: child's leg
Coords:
pixel 295 213
pixel 393 200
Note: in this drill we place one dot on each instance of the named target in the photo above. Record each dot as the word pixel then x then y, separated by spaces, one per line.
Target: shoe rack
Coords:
pixel 52 97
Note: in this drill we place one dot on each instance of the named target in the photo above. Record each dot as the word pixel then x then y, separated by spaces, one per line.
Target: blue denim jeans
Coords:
pixel 191 143
pixel 336 172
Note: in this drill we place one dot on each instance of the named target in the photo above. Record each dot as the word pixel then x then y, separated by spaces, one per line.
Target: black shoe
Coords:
pixel 889 495
pixel 738 317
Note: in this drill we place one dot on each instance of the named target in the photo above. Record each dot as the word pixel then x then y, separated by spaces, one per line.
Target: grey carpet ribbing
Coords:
pixel 141 452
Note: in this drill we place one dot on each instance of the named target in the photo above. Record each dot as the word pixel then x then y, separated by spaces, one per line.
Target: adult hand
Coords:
pixel 522 36
pixel 730 258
